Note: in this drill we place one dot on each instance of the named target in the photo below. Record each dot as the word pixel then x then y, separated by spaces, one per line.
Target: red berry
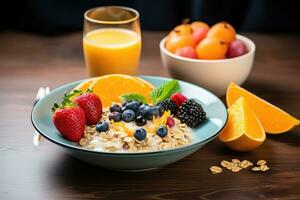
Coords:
pixel 178 98
pixel 70 122
pixel 199 34
pixel 92 107
pixel 236 48
pixel 170 122
pixel 188 52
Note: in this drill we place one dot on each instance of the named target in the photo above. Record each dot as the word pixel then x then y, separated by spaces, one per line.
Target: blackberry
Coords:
pixel 191 113
pixel 168 105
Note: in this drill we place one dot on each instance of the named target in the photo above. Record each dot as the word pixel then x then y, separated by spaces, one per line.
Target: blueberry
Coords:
pixel 162 131
pixel 134 105
pixel 141 110
pixel 102 126
pixel 140 134
pixel 151 112
pixel 115 116
pixel 115 108
pixel 123 109
pixel 126 102
pixel 143 106
pixel 128 115
pixel 140 121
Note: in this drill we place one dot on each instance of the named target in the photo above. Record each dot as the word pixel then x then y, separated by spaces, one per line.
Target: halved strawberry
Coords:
pixel 178 98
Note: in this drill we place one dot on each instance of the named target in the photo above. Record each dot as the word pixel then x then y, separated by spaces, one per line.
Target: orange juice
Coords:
pixel 112 51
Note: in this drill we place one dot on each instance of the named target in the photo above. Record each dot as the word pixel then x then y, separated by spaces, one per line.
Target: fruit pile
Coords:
pixel 199 41
pixel 79 109
pixel 132 111
pixel 249 117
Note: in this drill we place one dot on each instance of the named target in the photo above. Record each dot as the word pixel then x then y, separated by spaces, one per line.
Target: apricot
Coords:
pixel 183 29
pixel 223 31
pixel 178 41
pixel 198 24
pixel 211 48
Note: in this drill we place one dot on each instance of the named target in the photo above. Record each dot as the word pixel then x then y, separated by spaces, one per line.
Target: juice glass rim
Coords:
pixel 135 17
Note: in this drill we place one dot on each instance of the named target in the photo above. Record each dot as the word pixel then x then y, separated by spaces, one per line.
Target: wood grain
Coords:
pixel 46 172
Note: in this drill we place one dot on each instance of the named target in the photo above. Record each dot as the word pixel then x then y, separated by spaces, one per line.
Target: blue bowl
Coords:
pixel 41 118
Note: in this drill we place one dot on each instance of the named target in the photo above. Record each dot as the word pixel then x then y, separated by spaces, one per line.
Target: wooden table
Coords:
pixel 46 172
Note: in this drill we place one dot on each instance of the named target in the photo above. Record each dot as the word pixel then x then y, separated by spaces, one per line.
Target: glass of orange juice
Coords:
pixel 111 40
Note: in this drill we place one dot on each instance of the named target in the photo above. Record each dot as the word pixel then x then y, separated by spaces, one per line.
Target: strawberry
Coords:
pixel 178 98
pixel 69 120
pixel 91 105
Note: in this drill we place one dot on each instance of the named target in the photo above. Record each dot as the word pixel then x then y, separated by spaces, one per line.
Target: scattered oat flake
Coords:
pixel 215 169
pixel 264 168
pixel 245 163
pixel 236 168
pixel 237 161
pixel 256 169
pixel 261 162
pixel 226 164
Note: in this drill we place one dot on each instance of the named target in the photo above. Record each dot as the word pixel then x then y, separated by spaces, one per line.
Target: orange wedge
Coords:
pixel 84 85
pixel 273 119
pixel 243 131
pixel 146 83
pixel 109 88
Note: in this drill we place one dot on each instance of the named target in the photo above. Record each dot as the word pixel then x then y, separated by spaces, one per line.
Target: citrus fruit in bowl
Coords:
pixel 220 56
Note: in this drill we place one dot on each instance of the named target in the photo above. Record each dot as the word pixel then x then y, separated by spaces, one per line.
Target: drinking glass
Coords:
pixel 111 40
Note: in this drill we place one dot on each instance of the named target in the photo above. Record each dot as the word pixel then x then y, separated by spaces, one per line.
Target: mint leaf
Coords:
pixel 133 97
pixel 156 93
pixel 165 91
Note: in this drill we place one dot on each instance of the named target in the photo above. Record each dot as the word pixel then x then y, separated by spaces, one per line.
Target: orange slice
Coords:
pixel 84 85
pixel 146 83
pixel 273 119
pixel 109 88
pixel 243 131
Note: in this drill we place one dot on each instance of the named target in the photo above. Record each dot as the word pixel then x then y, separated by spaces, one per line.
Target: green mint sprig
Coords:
pixel 165 91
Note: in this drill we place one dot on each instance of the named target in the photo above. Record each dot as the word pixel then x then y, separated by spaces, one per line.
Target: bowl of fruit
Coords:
pixel 128 123
pixel 211 57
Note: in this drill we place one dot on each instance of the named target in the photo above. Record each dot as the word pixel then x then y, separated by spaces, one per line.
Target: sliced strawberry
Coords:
pixel 70 122
pixel 92 107
pixel 178 98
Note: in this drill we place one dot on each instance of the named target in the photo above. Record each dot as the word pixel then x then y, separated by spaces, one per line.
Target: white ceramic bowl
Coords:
pixel 214 75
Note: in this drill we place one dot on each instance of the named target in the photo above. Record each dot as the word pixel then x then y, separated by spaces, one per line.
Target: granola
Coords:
pixel 119 137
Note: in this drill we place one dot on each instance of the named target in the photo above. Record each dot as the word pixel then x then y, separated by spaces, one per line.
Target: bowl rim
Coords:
pixel 249 43
pixel 172 150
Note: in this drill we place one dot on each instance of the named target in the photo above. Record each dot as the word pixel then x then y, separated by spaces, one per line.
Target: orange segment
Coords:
pixel 145 83
pixel 84 85
pixel 273 119
pixel 243 131
pixel 109 88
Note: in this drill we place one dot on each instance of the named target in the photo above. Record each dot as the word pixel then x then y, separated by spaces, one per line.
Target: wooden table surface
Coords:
pixel 46 172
